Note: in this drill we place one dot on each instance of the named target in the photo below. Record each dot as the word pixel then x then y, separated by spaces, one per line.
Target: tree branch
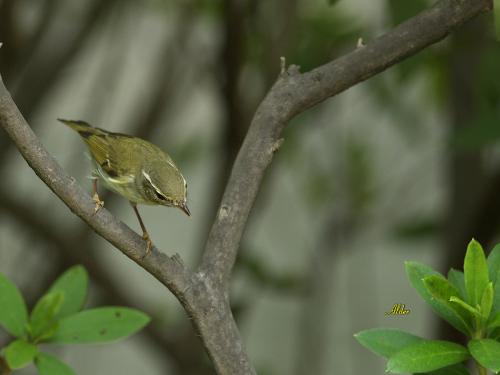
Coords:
pixel 294 93
pixel 204 294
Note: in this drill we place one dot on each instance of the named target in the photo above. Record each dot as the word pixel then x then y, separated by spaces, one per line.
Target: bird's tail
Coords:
pixel 83 128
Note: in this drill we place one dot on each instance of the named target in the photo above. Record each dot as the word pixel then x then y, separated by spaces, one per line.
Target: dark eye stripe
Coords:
pixel 160 196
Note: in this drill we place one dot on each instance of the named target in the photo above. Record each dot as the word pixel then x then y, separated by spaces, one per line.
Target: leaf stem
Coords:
pixel 4 368
pixel 481 370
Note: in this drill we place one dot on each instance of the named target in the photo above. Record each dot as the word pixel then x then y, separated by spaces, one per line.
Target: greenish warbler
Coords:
pixel 134 168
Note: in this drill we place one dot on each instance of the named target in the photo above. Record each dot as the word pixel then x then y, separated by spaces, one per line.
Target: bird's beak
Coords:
pixel 184 208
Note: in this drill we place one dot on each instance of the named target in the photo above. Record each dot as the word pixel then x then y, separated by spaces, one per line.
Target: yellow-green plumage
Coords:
pixel 132 167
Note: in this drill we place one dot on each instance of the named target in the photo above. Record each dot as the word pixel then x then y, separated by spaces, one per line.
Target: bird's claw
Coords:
pixel 149 245
pixel 98 203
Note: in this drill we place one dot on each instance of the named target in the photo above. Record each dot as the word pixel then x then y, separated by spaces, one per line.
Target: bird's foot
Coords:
pixel 98 203
pixel 149 244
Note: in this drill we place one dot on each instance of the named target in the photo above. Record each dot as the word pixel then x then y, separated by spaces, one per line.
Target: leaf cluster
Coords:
pixel 57 318
pixel 468 300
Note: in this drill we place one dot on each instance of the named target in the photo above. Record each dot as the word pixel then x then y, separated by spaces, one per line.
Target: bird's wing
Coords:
pixel 111 158
pixel 110 151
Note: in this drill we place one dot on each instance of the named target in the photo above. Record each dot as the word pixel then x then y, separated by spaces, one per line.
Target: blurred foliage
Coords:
pixel 349 179
pixel 260 272
pixel 488 84
pixel 401 10
pixel 190 151
pixel 483 131
pixel 496 9
pixel 417 228
pixel 332 2
pixel 359 174
pixel 320 35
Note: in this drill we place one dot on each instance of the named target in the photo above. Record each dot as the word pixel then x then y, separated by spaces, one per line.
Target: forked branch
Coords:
pixel 204 293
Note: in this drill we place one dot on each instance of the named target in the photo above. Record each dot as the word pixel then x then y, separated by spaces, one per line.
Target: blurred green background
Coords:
pixel 405 166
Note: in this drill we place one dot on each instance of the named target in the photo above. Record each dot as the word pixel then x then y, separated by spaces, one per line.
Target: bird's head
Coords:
pixel 164 185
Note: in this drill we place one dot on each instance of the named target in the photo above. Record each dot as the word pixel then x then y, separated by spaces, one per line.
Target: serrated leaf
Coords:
pixel 475 273
pixel 386 341
pixel 42 320
pixel 13 312
pixel 456 278
pixel 416 272
pixel 74 285
pixel 486 352
pixel 99 325
pixel 19 354
pixel 427 356
pixel 50 365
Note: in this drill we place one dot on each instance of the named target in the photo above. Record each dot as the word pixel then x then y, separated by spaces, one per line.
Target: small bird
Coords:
pixel 134 168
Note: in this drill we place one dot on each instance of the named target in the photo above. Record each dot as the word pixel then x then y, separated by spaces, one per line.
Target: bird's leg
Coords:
pixel 145 234
pixel 95 197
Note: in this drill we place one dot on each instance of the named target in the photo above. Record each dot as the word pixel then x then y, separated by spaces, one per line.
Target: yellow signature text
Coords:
pixel 398 309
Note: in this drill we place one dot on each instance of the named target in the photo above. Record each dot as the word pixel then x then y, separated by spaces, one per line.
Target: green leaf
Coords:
pixel 415 229
pixel 496 294
pixel 487 301
pixel 458 369
pixel 386 341
pixel 427 356
pixel 493 262
pixel 456 278
pixel 416 272
pixel 486 352
pixel 440 288
pixel 475 272
pixel 494 334
pixel 496 15
pixel 475 312
pixel 494 322
pixel 13 312
pixel 20 353
pixel 43 321
pixel 50 365
pixel 73 284
pixel 99 325
pixel 494 270
pixel 443 292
